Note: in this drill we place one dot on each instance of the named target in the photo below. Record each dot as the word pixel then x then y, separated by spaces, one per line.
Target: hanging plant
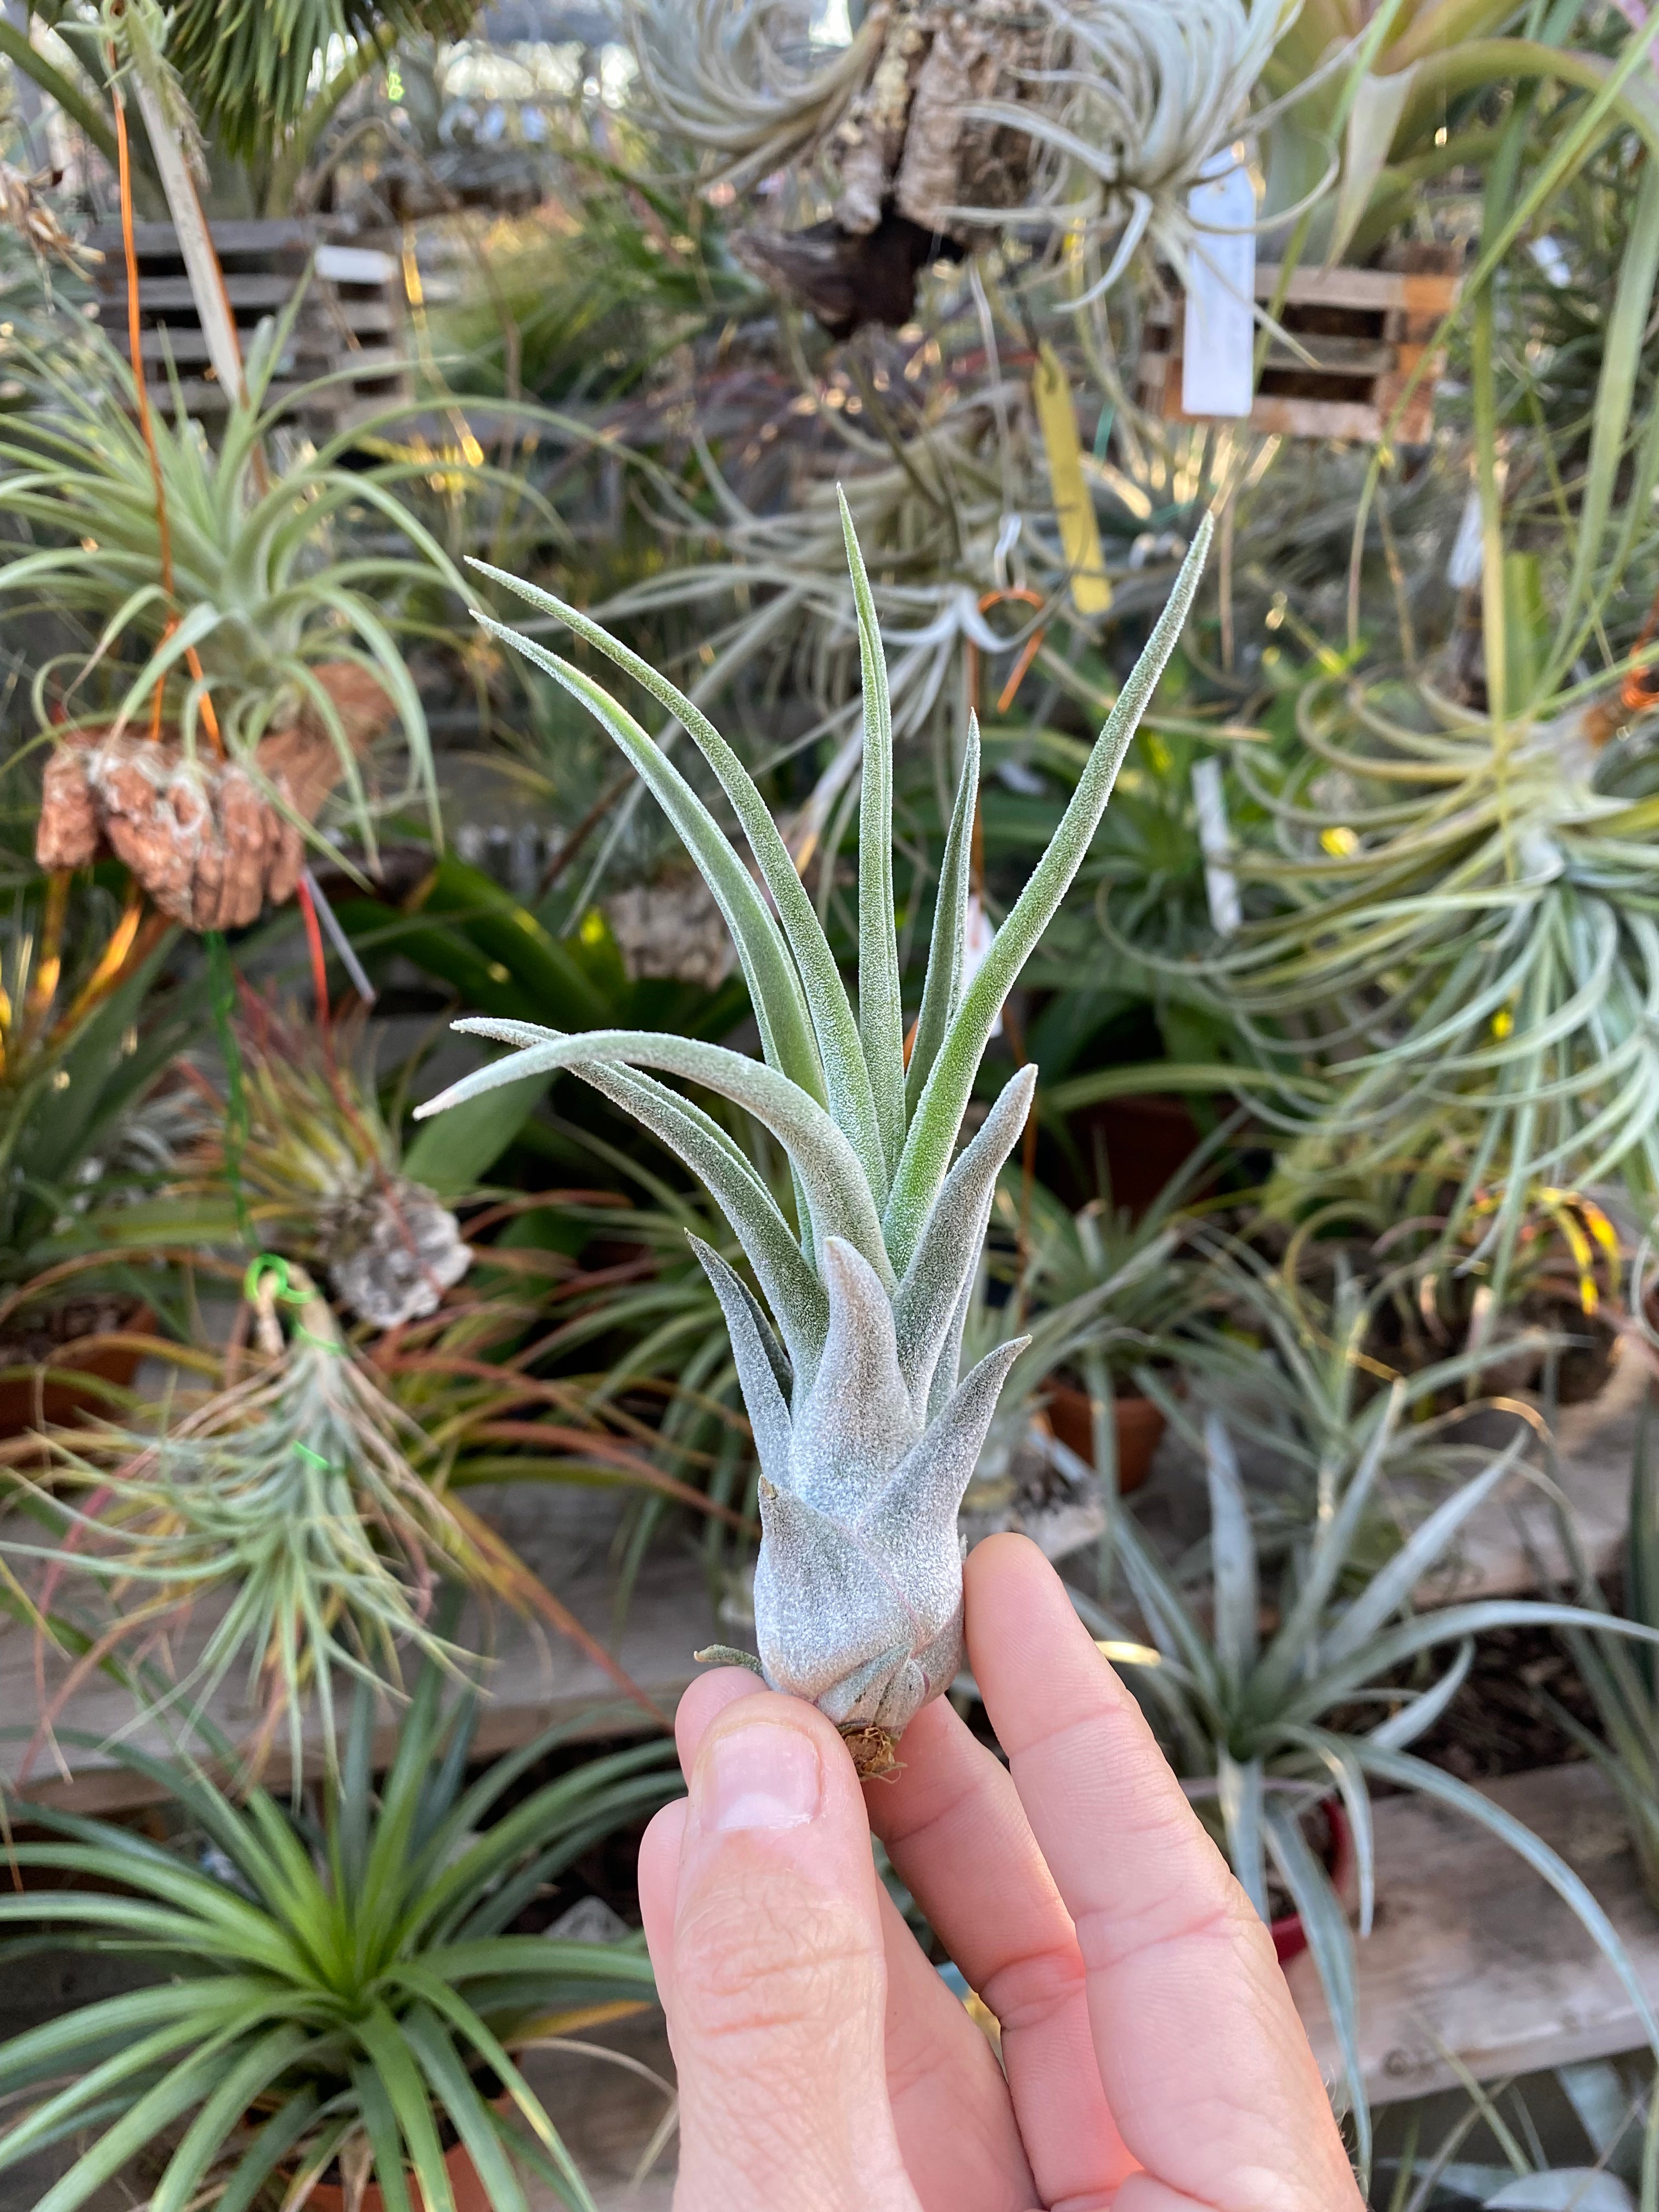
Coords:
pixel 939 122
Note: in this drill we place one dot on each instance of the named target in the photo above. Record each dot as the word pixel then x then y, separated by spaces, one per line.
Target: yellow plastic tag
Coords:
pixel 1080 533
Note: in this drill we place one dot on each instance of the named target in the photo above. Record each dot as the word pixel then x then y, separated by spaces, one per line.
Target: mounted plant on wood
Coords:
pixel 939 123
pixel 866 1436
pixel 267 663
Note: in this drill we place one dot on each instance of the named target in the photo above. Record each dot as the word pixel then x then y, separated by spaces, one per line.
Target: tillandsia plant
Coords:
pixel 1265 1723
pixel 302 1161
pixel 866 1436
pixel 1092 117
pixel 342 1986
pixel 1490 2156
pixel 295 1494
pixel 248 652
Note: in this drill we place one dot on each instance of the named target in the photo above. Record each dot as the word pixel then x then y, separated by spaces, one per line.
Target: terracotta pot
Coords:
pixel 1147 1138
pixel 24 1405
pixel 1290 1936
pixel 468 2191
pixel 1138 1422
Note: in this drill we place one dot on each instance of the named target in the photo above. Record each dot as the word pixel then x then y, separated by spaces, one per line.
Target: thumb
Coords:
pixel 776 1982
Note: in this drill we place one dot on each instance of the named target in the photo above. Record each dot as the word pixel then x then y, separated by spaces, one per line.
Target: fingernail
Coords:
pixel 761 1776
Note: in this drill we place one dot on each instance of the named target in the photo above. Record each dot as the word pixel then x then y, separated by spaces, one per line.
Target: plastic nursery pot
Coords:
pixel 1138 1422
pixel 27 1403
pixel 1290 1937
pixel 465 2187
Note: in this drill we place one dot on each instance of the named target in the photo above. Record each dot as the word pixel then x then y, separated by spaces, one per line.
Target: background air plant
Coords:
pixel 286 1506
pixel 1096 116
pixel 318 1167
pixel 339 1985
pixel 866 1438
pixel 265 604
pixel 1465 950
pixel 1263 1724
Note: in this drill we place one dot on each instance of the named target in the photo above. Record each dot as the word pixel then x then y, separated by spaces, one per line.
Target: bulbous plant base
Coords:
pixel 874 1750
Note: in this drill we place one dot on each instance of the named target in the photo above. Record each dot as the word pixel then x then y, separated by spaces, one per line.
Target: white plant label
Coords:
pixel 1215 837
pixel 1215 365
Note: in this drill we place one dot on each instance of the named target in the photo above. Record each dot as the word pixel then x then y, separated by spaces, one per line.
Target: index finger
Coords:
pixel 1204 2061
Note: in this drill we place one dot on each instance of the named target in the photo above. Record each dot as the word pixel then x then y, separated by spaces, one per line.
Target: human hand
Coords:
pixel 1154 2061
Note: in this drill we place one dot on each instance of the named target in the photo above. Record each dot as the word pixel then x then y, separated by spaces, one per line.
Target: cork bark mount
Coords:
pixel 203 836
pixel 906 158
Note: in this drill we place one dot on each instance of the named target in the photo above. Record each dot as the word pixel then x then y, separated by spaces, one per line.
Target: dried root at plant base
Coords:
pixel 212 841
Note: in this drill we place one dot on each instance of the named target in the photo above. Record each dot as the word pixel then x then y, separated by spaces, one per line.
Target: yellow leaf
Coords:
pixel 1079 532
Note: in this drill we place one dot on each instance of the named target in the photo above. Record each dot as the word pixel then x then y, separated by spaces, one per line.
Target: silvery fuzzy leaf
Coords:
pixel 858 1600
pixel 757 1362
pixel 856 1422
pixel 931 1293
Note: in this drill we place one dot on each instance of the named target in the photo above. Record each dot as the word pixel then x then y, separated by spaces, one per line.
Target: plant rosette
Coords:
pixel 849 1359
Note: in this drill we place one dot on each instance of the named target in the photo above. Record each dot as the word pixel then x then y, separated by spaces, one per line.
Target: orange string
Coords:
pixel 141 389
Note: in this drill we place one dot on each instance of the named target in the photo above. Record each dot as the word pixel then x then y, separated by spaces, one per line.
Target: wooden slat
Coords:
pixel 1375 288
pixel 251 289
pixel 160 240
pixel 1475 1959
pixel 536 1678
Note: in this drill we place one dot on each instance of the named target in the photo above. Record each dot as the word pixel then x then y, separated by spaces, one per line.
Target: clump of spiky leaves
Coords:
pixel 339 1988
pixel 1095 116
pixel 866 1436
pixel 1268 1722
pixel 318 1167
pixel 286 1508
pixel 251 66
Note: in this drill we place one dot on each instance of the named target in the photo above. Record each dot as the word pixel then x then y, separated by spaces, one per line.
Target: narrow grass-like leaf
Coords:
pixel 881 1018
pixel 1233 1546
pixel 1412 1773
pixel 942 982
pixel 846 1079
pixel 774 987
pixel 939 1113
pixel 836 1190
pixel 1325 1926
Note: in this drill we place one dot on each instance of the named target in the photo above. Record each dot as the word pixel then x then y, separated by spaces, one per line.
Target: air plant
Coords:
pixel 1096 1295
pixel 1460 970
pixel 335 1986
pixel 866 1436
pixel 313 1164
pixel 1095 116
pixel 293 1494
pixel 213 587
pixel 1490 2156
pixel 719 76
pixel 1621 1677
pixel 1265 1722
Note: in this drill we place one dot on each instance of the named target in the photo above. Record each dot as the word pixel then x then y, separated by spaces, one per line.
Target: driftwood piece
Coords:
pixel 212 842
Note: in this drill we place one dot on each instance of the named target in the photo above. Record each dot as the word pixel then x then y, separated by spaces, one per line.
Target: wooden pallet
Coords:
pixel 535 1677
pixel 1367 329
pixel 1474 1959
pixel 350 320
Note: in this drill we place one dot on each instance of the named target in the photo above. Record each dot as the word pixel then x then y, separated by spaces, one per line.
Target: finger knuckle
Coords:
pixel 759 1957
